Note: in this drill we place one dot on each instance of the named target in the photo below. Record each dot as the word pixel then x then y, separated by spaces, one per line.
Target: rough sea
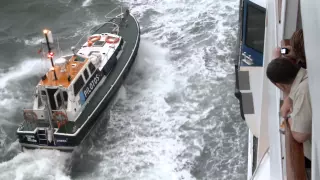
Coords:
pixel 174 118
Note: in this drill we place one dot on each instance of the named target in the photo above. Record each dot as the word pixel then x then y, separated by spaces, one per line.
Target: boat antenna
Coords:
pixel 47 34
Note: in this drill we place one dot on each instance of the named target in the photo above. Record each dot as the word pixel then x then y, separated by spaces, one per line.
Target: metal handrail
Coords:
pixel 106 16
pixel 102 24
pixel 295 165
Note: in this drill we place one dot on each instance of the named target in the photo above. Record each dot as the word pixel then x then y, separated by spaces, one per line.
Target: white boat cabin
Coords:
pixel 77 77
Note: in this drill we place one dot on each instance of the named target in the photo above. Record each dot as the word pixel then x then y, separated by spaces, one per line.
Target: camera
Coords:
pixel 284 51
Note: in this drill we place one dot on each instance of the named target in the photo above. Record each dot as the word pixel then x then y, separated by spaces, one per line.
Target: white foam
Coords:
pixel 36 164
pixel 86 3
pixel 34 41
pixel 24 70
pixel 149 142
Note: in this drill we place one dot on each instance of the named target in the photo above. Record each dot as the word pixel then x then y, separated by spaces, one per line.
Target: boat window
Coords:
pixel 78 85
pixel 51 93
pixel 43 93
pixel 79 58
pixel 91 68
pixel 39 101
pixel 99 44
pixel 94 52
pixel 86 75
pixel 65 95
pixel 255 27
pixel 59 100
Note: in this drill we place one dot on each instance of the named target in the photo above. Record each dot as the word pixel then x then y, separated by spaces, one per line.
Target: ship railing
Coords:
pixel 33 115
pixel 34 118
pixel 109 21
pixel 117 16
pixel 295 162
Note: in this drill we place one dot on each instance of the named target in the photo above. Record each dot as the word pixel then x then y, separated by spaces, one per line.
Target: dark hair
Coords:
pixel 297 44
pixel 282 70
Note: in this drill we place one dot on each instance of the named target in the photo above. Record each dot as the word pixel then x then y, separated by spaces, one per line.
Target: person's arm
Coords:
pixel 286 107
pixel 299 137
pixel 301 118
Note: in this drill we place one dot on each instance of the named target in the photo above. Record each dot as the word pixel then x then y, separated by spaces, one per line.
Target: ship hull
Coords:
pixel 68 140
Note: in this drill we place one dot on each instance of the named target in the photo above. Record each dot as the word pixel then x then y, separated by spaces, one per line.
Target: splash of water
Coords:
pixel 36 164
pixel 87 3
pixel 24 70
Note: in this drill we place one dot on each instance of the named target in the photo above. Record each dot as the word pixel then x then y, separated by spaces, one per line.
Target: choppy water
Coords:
pixel 174 118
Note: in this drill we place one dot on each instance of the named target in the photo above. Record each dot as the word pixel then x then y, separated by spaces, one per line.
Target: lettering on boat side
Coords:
pixel 92 83
pixel 30 138
pixel 62 140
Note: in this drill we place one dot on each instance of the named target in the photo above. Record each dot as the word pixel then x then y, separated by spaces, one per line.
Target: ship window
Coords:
pixel 78 85
pixel 79 58
pixel 43 93
pixel 85 73
pixel 99 43
pixel 65 95
pixel 51 93
pixel 39 101
pixel 91 68
pixel 255 27
pixel 59 100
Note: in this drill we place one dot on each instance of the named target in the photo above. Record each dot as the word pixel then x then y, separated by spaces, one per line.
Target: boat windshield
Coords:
pixel 79 58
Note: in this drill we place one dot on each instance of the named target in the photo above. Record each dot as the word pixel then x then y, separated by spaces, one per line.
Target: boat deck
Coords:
pixel 72 68
pixel 31 126
pixel 130 32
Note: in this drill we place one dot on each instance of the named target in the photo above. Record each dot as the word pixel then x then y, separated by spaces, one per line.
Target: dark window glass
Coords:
pixel 78 85
pixel 39 101
pixel 59 100
pixel 65 95
pixel 255 27
pixel 86 75
pixel 91 68
pixel 78 58
pixel 43 93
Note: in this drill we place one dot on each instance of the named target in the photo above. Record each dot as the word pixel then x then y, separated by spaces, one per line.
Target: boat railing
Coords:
pixel 295 165
pixel 109 21
pixel 32 115
pixel 119 15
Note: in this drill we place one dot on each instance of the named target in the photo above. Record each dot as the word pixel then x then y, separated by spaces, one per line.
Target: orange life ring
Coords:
pixel 60 117
pixel 93 39
pixel 112 39
pixel 29 115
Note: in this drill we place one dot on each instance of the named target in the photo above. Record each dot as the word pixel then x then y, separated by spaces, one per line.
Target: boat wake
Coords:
pixel 22 71
pixel 36 164
pixel 174 118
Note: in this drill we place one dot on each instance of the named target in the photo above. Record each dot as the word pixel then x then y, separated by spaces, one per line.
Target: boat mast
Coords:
pixel 50 54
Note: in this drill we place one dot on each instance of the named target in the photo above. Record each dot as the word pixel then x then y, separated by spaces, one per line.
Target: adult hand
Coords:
pixel 286 107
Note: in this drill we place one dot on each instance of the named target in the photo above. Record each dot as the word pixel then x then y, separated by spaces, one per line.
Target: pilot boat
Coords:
pixel 75 90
